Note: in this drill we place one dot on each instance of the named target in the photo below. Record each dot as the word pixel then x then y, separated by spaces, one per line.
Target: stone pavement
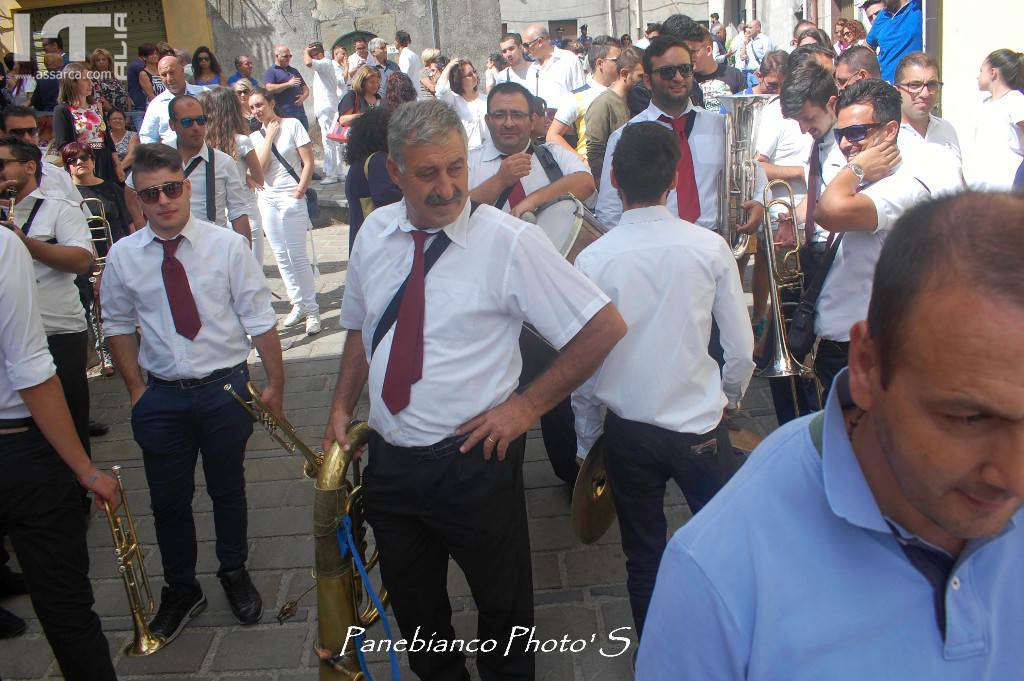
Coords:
pixel 580 590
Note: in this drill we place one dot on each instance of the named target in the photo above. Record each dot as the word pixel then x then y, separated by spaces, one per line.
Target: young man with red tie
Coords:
pixel 194 321
pixel 669 74
pixel 445 472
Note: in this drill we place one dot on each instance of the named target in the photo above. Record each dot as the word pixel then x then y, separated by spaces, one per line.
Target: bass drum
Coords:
pixel 568 223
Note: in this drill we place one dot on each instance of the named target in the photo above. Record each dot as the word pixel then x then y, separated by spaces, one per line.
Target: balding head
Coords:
pixel 282 55
pixel 537 41
pixel 172 73
pixel 755 27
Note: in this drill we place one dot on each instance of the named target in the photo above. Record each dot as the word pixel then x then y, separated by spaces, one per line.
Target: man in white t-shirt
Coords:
pixel 360 57
pixel 325 108
pixel 520 69
pixel 559 71
pixel 408 61
pixel 340 59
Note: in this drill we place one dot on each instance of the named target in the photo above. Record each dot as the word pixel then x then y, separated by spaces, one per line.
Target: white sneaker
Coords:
pixel 328 180
pixel 312 324
pixel 294 316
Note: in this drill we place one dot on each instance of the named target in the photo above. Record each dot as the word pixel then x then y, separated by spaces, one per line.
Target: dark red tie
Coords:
pixel 517 195
pixel 813 187
pixel 405 362
pixel 686 184
pixel 179 293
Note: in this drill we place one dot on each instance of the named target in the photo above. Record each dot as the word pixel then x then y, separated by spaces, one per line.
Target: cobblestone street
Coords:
pixel 580 590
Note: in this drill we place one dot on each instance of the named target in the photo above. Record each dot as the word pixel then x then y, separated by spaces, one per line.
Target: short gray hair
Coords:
pixel 425 122
pixel 376 44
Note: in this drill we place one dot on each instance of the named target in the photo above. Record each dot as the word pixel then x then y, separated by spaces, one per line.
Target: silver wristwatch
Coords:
pixel 857 170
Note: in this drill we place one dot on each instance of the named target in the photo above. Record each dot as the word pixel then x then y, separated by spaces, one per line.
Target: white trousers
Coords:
pixel 333 151
pixel 285 222
pixel 255 225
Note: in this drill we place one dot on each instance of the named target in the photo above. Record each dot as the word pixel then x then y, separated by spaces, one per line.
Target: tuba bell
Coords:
pixel 337 502
pixel 131 566
pixel 739 175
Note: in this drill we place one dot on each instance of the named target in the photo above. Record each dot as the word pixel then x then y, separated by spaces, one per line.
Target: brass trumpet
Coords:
pixel 131 565
pixel 340 591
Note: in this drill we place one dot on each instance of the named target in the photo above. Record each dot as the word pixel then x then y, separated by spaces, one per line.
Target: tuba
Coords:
pixel 739 176
pixel 340 590
pixel 131 565
pixel 102 239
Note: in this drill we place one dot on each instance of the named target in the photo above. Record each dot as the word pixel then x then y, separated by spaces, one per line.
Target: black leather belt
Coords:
pixel 15 426
pixel 438 450
pixel 186 383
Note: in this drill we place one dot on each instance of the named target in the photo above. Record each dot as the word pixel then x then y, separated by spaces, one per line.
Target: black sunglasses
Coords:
pixel 855 133
pixel 669 72
pixel 79 159
pixel 151 195
pixel 21 132
pixel 187 122
pixel 5 161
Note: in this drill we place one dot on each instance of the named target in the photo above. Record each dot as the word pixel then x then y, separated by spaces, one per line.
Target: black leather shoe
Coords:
pixel 97 429
pixel 10 624
pixel 12 583
pixel 177 608
pixel 246 604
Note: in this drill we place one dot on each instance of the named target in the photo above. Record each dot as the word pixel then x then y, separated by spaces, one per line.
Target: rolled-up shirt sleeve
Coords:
pixel 250 294
pixel 27 359
pixel 547 291
pixel 119 313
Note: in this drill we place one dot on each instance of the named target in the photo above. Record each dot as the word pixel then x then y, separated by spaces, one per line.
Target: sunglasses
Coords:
pixel 669 72
pixel 187 122
pixel 531 44
pixel 204 58
pixel 21 132
pixel 151 195
pixel 5 161
pixel 855 133
pixel 80 159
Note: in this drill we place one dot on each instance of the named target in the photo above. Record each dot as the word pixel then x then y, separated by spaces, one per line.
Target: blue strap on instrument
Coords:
pixel 346 545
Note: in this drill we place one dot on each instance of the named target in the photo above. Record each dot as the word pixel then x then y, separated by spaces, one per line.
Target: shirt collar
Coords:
pixel 189 231
pixel 457 231
pixel 654 113
pixel 489 152
pixel 645 214
pixel 204 153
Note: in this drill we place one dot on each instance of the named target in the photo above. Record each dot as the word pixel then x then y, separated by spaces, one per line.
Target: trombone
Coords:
pixel 102 239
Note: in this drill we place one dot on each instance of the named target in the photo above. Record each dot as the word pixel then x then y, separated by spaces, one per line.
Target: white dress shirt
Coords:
pixel 232 196
pixel 847 289
pixel 497 273
pixel 227 284
pixel 667 278
pixel 780 139
pixel 471 113
pixel 529 81
pixel 25 359
pixel 325 87
pixel 937 165
pixel 939 131
pixel 291 135
pixel 156 125
pixel 409 63
pixel 62 221
pixel 341 78
pixel 707 141
pixel 557 77
pixel 485 162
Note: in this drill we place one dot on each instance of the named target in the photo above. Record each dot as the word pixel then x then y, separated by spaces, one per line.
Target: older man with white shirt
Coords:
pixel 156 124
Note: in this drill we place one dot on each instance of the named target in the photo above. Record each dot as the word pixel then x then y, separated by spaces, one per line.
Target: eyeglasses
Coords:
pixel 5 161
pixel 855 133
pixel 21 132
pixel 669 72
pixel 151 195
pixel 530 45
pixel 516 116
pixel 916 86
pixel 80 159
pixel 187 122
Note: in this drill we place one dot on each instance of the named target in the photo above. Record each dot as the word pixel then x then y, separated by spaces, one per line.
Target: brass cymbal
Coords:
pixel 593 507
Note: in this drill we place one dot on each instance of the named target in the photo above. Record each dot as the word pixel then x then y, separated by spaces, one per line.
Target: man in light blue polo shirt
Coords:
pixel 897 31
pixel 881 538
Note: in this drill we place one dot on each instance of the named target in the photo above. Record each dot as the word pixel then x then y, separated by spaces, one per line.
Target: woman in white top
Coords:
pixel 457 87
pixel 228 130
pixel 998 142
pixel 282 204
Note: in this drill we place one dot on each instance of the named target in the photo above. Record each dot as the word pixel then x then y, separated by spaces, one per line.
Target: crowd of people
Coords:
pixel 891 497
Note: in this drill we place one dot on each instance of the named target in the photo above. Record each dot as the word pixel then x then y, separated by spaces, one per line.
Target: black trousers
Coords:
pixel 831 358
pixel 70 353
pixel 640 460
pixel 173 425
pixel 558 426
pixel 41 511
pixel 425 507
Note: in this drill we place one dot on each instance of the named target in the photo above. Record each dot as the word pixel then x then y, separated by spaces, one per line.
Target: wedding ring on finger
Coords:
pixel 491 439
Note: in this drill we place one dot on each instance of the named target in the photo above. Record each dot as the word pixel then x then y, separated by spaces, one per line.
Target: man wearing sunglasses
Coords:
pixel 156 126
pixel 198 295
pixel 668 72
pixel 558 72
pixel 860 204
pixel 21 122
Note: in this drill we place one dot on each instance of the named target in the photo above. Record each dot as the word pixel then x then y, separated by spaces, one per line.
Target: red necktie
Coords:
pixel 686 184
pixel 405 361
pixel 179 293
pixel 813 186
pixel 517 195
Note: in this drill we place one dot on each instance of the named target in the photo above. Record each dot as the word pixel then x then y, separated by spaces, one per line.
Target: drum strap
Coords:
pixel 390 316
pixel 547 162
